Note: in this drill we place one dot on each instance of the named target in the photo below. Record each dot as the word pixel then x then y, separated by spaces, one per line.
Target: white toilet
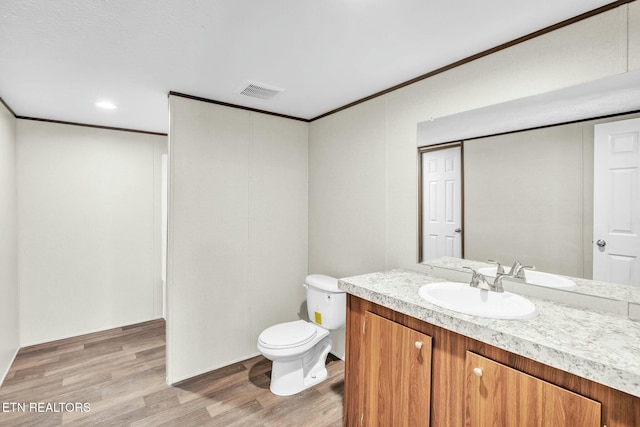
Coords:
pixel 299 349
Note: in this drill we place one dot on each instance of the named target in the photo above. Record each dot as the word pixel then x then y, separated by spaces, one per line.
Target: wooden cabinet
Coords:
pixel 397 374
pixel 384 377
pixel 496 395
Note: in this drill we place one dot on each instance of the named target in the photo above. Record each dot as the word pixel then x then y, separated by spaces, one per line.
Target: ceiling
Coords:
pixel 58 58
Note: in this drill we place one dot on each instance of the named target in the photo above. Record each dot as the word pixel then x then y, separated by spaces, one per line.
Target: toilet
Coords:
pixel 299 349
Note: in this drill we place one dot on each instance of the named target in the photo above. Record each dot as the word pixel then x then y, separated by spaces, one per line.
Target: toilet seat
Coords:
pixel 288 335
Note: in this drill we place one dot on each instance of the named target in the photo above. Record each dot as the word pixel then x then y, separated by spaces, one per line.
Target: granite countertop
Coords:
pixel 600 347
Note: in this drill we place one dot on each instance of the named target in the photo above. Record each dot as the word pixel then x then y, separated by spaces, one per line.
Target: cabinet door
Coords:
pixel 397 374
pixel 497 395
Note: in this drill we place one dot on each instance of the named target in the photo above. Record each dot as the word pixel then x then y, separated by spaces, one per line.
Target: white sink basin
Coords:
pixel 534 277
pixel 463 298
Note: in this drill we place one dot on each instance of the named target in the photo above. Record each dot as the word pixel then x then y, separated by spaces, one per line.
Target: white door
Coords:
pixel 616 202
pixel 441 203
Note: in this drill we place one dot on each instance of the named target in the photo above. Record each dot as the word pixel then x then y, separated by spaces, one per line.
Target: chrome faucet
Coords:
pixel 517 270
pixel 499 268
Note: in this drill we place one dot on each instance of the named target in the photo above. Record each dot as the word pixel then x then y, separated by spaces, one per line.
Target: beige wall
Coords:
pixel 524 199
pixel 89 229
pixel 382 142
pixel 347 190
pixel 347 182
pixel 9 325
pixel 237 232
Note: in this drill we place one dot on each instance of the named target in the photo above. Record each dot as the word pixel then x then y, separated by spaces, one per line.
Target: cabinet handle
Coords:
pixel 419 345
pixel 477 372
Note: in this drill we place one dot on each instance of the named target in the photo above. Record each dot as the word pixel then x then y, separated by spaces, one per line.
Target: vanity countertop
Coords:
pixel 600 347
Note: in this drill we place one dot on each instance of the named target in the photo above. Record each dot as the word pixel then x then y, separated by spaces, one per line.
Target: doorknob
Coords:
pixel 458 230
pixel 601 243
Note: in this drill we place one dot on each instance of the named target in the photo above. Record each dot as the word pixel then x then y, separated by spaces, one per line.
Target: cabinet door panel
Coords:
pixel 497 395
pixel 397 374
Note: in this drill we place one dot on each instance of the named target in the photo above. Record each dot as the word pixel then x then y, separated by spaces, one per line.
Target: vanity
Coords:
pixel 411 362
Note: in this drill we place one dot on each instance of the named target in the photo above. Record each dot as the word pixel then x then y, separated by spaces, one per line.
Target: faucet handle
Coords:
pixel 477 278
pixel 520 274
pixel 475 273
pixel 515 268
pixel 500 269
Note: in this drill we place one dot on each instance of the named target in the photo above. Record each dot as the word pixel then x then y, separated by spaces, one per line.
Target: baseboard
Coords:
pixel 4 375
pixel 175 381
pixel 79 334
pixel 340 356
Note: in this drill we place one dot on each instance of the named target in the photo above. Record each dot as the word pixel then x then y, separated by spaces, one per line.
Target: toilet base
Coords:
pixel 289 377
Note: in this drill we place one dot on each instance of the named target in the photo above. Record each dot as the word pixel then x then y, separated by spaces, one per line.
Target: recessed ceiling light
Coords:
pixel 106 105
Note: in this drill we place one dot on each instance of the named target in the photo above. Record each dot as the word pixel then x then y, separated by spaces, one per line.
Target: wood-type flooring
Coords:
pixel 119 376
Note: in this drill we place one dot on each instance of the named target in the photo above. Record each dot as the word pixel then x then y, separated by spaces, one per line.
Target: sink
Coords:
pixel 534 277
pixel 463 298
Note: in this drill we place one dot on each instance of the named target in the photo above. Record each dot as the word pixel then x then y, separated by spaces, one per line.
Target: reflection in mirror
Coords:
pixel 440 176
pixel 610 295
pixel 529 195
pixel 524 199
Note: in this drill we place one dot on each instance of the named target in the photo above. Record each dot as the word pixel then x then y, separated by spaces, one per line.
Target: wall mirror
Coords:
pixel 529 194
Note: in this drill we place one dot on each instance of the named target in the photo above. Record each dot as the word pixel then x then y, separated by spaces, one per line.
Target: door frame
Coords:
pixel 420 152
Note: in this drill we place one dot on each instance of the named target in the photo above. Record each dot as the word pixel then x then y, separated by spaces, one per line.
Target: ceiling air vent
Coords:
pixel 259 90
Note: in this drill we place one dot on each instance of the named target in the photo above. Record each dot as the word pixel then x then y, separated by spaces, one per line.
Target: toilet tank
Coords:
pixel 326 304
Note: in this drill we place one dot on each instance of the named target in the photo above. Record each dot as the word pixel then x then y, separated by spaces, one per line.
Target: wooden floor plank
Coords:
pixel 120 373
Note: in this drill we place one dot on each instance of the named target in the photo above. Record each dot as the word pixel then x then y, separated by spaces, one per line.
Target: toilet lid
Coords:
pixel 289 334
